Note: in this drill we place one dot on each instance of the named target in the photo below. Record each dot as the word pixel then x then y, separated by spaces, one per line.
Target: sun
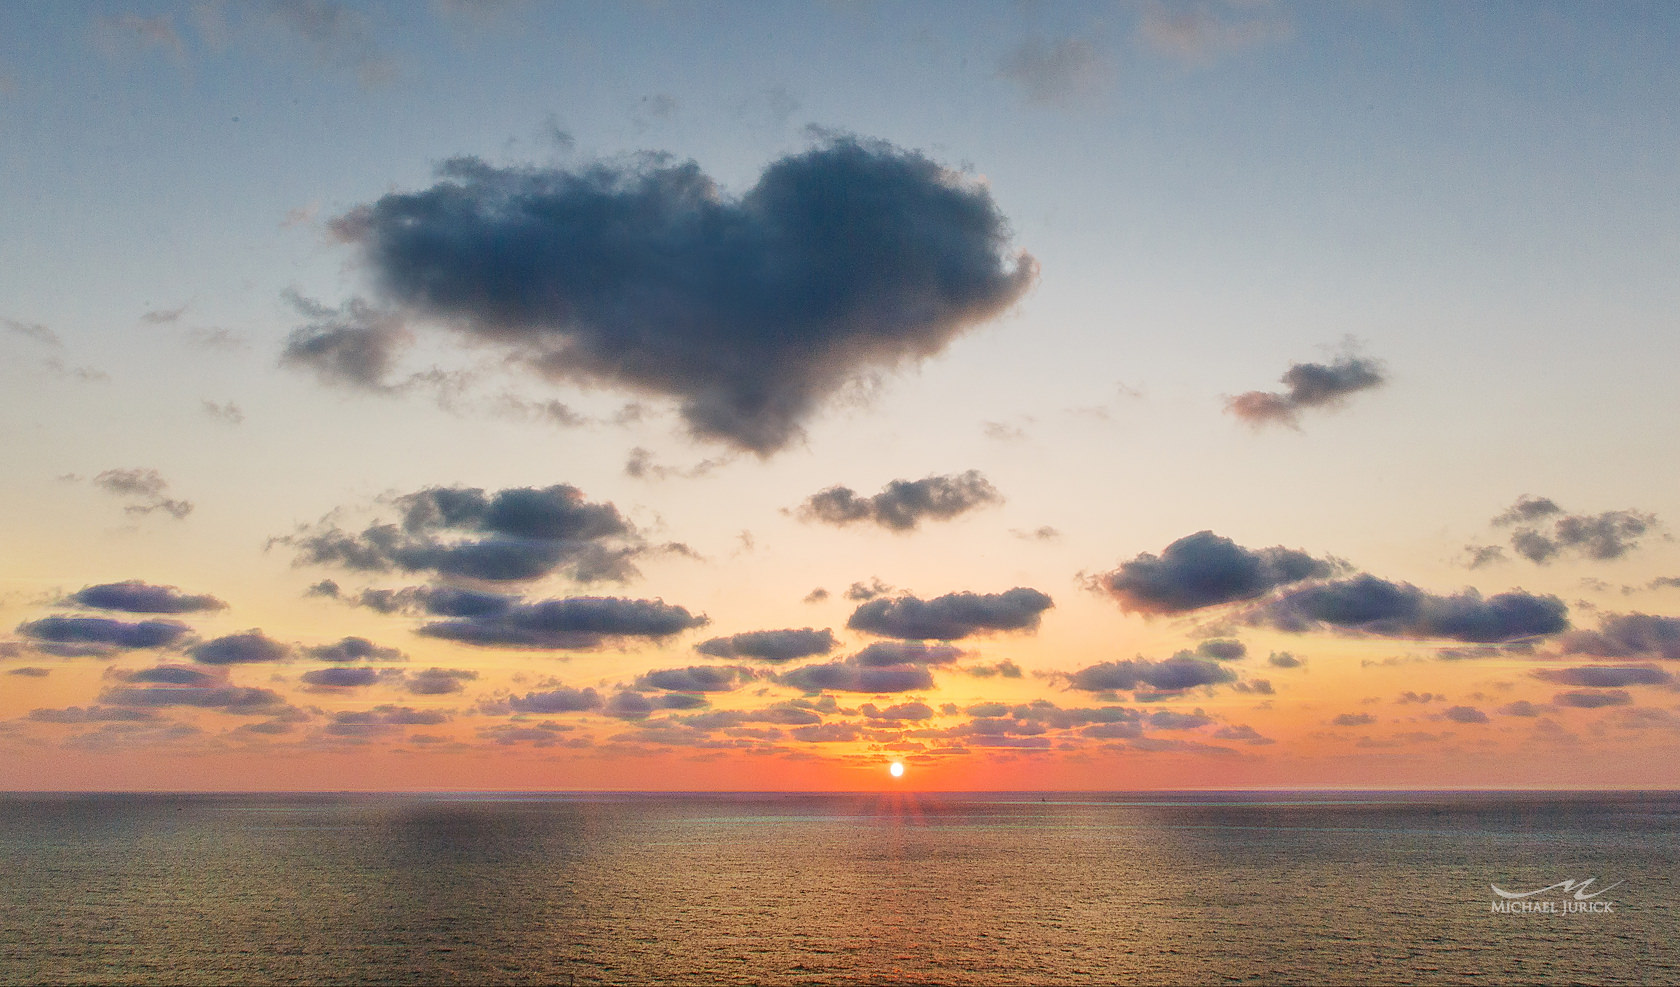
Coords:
pixel 896 769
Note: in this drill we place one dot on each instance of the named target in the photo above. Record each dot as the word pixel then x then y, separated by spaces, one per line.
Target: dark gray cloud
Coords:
pixel 238 649
pixel 1592 700
pixel 1166 719
pixel 381 720
pixel 778 645
pixel 341 678
pixel 696 678
pixel 1606 676
pixel 517 534
pixel 571 624
pixel 173 675
pixel 841 676
pixel 952 616
pixel 1354 720
pixel 1464 714
pixel 134 596
pixel 146 488
pixel 863 592
pixel 882 654
pixel 228 698
pixel 1222 649
pixel 352 346
pixel 900 712
pixel 1205 570
pixel 1179 673
pixel 903 504
pixel 1244 733
pixel 846 259
pixel 1308 385
pixel 1521 707
pixel 1630 635
pixel 353 649
pixel 93 714
pixel 30 671
pixel 1543 531
pixel 629 705
pixel 438 681
pixel 101 633
pixel 556 701
pixel 1000 669
pixel 816 595
pixel 1283 659
pixel 1368 605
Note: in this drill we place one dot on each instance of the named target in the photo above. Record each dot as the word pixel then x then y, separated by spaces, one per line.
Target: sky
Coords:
pixel 689 396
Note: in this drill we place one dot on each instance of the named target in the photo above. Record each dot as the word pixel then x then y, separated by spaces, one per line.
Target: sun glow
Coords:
pixel 896 769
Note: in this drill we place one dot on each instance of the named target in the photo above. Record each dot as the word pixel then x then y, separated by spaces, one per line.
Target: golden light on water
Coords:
pixel 896 768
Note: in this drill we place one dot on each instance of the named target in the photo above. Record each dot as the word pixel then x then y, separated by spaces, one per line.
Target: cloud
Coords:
pixel 1354 720
pixel 30 671
pixel 1205 570
pixel 779 645
pixel 901 712
pixel 34 331
pixel 1283 659
pixel 1176 674
pixel 1197 35
pixel 341 678
pixel 1592 700
pixel 1368 605
pixel 1478 556
pixel 629 705
pixel 556 701
pixel 1464 714
pixel 69 636
pixel 1521 707
pixel 696 678
pixel 337 36
pixel 381 720
pixel 134 596
pixel 1060 73
pixel 146 488
pixel 1222 649
pixel 903 504
pixel 861 592
pixel 1600 537
pixel 1310 385
pixel 1631 635
pixel 1243 733
pixel 1000 669
pixel 227 412
pixel 227 698
pixel 1166 719
pixel 816 595
pixel 238 649
pixel 93 714
pixel 438 681
pixel 843 676
pixel 517 534
pixel 952 616
pixel 1606 676
pixel 847 259
pixel 352 346
pixel 174 675
pixel 883 654
pixel 353 649
pixel 573 624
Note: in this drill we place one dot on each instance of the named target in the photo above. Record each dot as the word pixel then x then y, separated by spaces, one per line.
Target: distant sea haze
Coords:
pixel 1180 888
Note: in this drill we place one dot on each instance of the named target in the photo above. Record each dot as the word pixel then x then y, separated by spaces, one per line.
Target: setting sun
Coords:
pixel 896 769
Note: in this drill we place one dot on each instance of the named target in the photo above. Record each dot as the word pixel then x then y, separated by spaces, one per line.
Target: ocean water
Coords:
pixel 830 889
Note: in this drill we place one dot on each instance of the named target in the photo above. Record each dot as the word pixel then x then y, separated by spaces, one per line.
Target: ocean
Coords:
pixel 1149 888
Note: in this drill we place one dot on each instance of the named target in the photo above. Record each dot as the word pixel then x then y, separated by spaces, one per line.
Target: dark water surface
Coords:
pixel 789 889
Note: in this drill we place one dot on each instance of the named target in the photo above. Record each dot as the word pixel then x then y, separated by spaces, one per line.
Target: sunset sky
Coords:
pixel 748 396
